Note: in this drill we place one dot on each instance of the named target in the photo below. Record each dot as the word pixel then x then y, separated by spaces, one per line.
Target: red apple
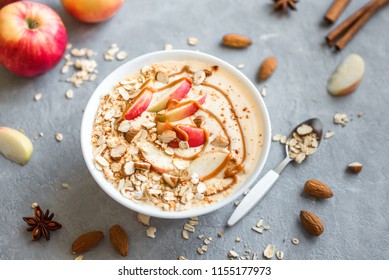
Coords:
pixel 176 92
pixel 32 38
pixel 138 105
pixel 182 110
pixel 194 135
pixel 92 11
pixel 6 2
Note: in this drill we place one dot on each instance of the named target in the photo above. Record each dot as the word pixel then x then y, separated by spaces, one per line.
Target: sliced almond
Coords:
pixel 143 219
pixel 220 141
pixel 170 179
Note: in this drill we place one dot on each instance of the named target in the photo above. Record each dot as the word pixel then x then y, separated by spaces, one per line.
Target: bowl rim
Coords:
pixel 157 57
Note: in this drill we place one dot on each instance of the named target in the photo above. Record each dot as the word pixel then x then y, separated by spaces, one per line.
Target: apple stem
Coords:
pixel 32 23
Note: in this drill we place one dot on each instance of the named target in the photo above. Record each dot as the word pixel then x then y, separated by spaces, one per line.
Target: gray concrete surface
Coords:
pixel 356 218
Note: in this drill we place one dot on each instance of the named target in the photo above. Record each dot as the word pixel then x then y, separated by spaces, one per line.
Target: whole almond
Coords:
pixel 311 223
pixel 317 189
pixel 236 41
pixel 267 68
pixel 119 239
pixel 87 241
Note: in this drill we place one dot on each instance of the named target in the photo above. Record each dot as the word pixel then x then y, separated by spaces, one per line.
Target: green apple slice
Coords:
pixel 14 145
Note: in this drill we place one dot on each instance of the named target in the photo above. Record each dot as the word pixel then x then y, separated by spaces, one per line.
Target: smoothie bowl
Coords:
pixel 175 134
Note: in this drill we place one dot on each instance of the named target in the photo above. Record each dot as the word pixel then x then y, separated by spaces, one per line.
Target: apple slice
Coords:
pixel 347 76
pixel 209 165
pixel 14 145
pixel 160 162
pixel 138 105
pixel 195 136
pixel 178 91
pixel 182 110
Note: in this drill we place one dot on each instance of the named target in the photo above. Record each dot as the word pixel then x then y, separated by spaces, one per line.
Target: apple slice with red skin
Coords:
pixel 182 110
pixel 195 136
pixel 178 91
pixel 138 105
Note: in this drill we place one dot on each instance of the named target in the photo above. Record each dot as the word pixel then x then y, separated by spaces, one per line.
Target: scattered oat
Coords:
pixel 295 241
pixel 38 96
pixel 193 223
pixel 304 129
pixel 168 47
pixel 255 256
pixel 69 94
pixel 207 240
pixel 260 223
pixel 236 203
pixel 340 119
pixel 360 114
pixel 65 185
pixel 151 232
pixel 257 229
pixel 185 234
pixel 204 248
pixel 279 255
pixel 303 143
pixel 194 218
pixel 193 41
pixel 269 251
pixel 237 239
pixel 59 137
pixel 143 219
pixel 122 55
pixel 233 254
pixel 40 134
pixel 329 134
pixel 79 258
pixel 181 258
pixel 109 55
pixel 246 191
pixel 220 234
pixel 200 251
pixel 264 92
pixel 201 236
pixel 189 228
pixel 240 66
pixel 34 205
pixel 199 78
pixel 267 227
pixel 277 137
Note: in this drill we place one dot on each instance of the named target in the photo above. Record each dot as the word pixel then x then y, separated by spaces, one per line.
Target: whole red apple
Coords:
pixel 92 11
pixel 32 38
pixel 6 2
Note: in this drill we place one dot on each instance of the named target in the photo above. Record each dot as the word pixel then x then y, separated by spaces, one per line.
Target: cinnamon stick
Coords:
pixel 336 10
pixel 342 42
pixel 342 28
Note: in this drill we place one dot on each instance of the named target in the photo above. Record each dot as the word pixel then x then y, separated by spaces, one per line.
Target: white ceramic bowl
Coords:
pixel 133 66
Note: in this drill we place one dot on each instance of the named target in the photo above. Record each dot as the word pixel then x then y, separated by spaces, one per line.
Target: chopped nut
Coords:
pixel 69 94
pixel 167 136
pixel 233 254
pixel 59 137
pixel 199 121
pixel 151 232
pixel 199 78
pixel 118 151
pixel 38 96
pixel 220 141
pixel 65 185
pixel 168 47
pixel 129 168
pixel 193 41
pixel 162 77
pixel 269 251
pixel 181 258
pixel 169 151
pixel 122 55
pixel 142 166
pixel 329 134
pixel 355 167
pixel 220 234
pixel 143 219
pixel 340 119
pixel 170 179
pixel 183 145
pixel 131 134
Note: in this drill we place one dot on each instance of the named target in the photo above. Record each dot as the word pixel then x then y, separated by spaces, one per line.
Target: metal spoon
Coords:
pixel 261 188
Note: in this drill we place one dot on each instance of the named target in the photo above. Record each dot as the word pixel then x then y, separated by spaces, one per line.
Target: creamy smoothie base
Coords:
pixel 177 135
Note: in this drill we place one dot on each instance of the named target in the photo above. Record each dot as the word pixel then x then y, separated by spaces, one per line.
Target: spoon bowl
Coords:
pixel 261 188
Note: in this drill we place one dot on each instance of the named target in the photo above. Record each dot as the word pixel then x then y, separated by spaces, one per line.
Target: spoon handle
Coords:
pixel 259 190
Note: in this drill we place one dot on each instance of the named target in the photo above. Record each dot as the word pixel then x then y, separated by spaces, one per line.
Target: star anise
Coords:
pixel 41 224
pixel 283 4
